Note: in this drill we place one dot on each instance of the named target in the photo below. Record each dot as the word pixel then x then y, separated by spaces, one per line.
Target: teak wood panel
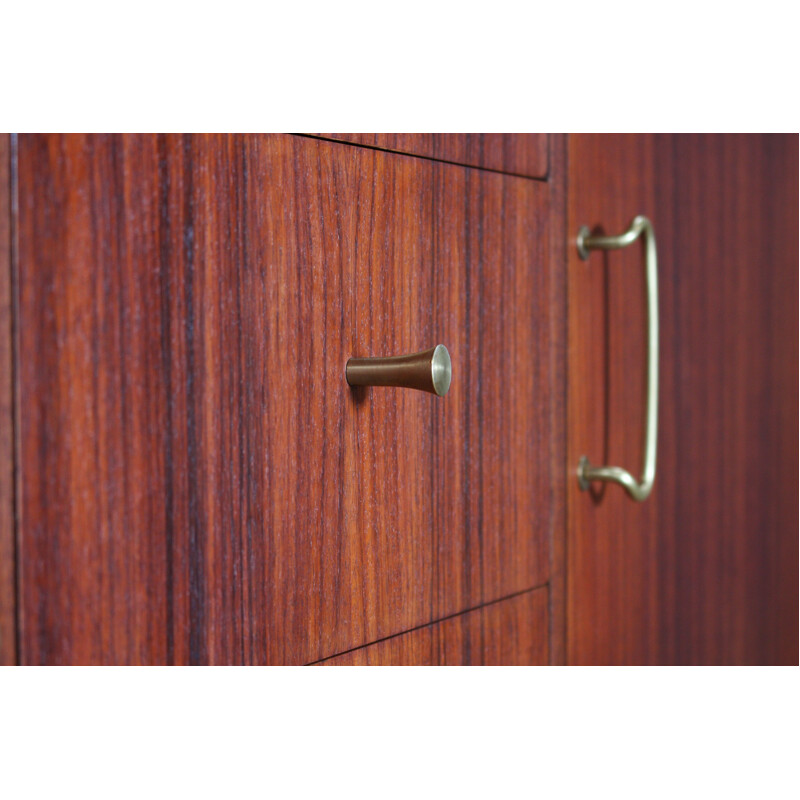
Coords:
pixel 511 632
pixel 515 153
pixel 199 484
pixel 7 579
pixel 705 570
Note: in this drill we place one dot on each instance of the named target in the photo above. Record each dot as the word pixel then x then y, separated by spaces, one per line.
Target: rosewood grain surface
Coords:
pixel 556 594
pixel 512 632
pixel 200 485
pixel 515 153
pixel 704 571
pixel 7 582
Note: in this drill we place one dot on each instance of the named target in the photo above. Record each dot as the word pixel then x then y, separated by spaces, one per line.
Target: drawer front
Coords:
pixel 199 483
pixel 511 632
pixel 515 153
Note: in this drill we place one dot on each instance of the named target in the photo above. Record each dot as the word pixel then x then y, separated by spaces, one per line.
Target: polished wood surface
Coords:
pixel 512 632
pixel 558 474
pixel 8 653
pixel 704 571
pixel 515 153
pixel 199 483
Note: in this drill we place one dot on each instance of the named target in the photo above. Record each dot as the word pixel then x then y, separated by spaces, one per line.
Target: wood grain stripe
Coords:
pixel 8 622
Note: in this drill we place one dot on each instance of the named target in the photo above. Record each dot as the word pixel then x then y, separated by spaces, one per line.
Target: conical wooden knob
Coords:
pixel 429 371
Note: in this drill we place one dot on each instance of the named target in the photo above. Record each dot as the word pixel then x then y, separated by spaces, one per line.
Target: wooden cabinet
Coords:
pixel 188 478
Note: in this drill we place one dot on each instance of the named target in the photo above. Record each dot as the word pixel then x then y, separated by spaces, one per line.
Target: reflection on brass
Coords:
pixel 638 490
pixel 429 371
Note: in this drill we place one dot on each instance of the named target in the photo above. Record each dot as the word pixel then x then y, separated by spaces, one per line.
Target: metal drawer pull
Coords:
pixel 429 371
pixel 586 472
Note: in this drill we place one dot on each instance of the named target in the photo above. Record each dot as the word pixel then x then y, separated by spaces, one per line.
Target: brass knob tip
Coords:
pixel 441 370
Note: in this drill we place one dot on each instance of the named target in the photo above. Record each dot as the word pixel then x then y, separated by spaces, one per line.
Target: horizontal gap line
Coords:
pixel 540 179
pixel 455 614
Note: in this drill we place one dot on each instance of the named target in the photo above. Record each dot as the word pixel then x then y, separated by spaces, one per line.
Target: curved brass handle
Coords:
pixel 638 490
pixel 429 371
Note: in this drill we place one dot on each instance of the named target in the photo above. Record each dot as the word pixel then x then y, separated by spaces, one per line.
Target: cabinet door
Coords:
pixel 704 570
pixel 198 481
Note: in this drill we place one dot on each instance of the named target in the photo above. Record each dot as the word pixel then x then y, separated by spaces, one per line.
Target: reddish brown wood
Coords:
pixel 704 571
pixel 558 381
pixel 199 483
pixel 515 153
pixel 513 631
pixel 8 653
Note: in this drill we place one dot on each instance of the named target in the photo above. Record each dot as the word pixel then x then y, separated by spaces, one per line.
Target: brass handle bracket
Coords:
pixel 428 371
pixel 638 490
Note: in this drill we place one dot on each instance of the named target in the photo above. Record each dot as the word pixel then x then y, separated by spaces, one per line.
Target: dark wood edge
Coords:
pixel 557 159
pixel 8 589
